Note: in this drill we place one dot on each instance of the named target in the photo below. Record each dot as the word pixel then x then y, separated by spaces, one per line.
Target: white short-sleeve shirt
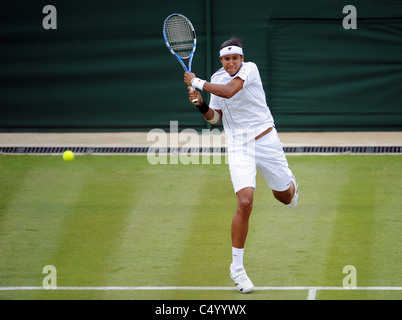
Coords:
pixel 246 114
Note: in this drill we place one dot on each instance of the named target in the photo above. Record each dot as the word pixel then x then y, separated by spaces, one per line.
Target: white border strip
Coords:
pixel 166 288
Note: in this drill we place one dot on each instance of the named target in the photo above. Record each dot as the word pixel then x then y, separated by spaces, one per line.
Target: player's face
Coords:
pixel 232 63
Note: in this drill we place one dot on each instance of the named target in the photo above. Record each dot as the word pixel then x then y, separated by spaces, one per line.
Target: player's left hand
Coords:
pixel 194 94
pixel 188 76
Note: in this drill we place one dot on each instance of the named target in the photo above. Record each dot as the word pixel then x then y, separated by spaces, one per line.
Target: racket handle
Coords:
pixel 194 100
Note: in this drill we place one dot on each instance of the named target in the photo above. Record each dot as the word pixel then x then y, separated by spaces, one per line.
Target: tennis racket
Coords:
pixel 180 38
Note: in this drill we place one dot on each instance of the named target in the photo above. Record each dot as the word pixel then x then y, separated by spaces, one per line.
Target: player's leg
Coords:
pixel 241 217
pixel 243 172
pixel 240 224
pixel 285 196
pixel 290 195
pixel 273 165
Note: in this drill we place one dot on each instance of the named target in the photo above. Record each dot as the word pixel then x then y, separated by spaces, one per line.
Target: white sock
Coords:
pixel 237 259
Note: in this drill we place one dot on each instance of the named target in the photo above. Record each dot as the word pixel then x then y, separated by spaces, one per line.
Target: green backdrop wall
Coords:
pixel 106 68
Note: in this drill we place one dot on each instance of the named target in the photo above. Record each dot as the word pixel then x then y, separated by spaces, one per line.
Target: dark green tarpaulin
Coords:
pixel 326 78
pixel 106 67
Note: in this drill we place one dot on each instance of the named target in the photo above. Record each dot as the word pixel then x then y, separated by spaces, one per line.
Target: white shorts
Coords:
pixel 265 154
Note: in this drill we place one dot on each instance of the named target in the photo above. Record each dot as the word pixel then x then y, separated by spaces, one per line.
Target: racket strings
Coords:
pixel 180 36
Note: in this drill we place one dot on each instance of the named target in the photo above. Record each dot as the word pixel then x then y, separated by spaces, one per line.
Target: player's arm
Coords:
pixel 211 115
pixel 221 90
pixel 224 90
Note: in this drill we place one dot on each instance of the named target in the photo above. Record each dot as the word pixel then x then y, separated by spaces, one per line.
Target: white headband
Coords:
pixel 231 50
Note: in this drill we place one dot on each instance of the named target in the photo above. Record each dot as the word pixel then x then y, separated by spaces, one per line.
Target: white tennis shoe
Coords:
pixel 242 281
pixel 293 203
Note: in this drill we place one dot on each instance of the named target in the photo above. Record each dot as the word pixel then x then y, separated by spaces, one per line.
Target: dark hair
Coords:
pixel 232 42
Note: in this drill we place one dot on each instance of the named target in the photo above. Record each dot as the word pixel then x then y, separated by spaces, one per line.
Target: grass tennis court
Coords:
pixel 107 221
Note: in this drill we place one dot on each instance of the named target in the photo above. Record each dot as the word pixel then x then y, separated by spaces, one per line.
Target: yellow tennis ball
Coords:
pixel 68 156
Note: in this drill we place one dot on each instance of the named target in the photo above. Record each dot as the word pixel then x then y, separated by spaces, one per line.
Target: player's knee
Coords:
pixel 285 196
pixel 287 200
pixel 245 206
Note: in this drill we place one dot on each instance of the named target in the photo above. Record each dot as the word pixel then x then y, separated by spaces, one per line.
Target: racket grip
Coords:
pixel 194 100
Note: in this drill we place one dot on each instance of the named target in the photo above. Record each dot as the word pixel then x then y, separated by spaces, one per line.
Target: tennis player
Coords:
pixel 238 99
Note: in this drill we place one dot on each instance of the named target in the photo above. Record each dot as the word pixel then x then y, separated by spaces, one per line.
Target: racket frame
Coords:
pixel 180 59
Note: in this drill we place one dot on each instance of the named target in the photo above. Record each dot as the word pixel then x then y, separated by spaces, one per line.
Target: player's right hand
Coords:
pixel 194 94
pixel 188 76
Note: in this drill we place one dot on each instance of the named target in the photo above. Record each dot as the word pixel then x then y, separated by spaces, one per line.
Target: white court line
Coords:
pixel 312 291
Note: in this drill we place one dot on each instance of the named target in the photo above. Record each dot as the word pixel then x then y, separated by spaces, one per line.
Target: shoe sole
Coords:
pixel 242 290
